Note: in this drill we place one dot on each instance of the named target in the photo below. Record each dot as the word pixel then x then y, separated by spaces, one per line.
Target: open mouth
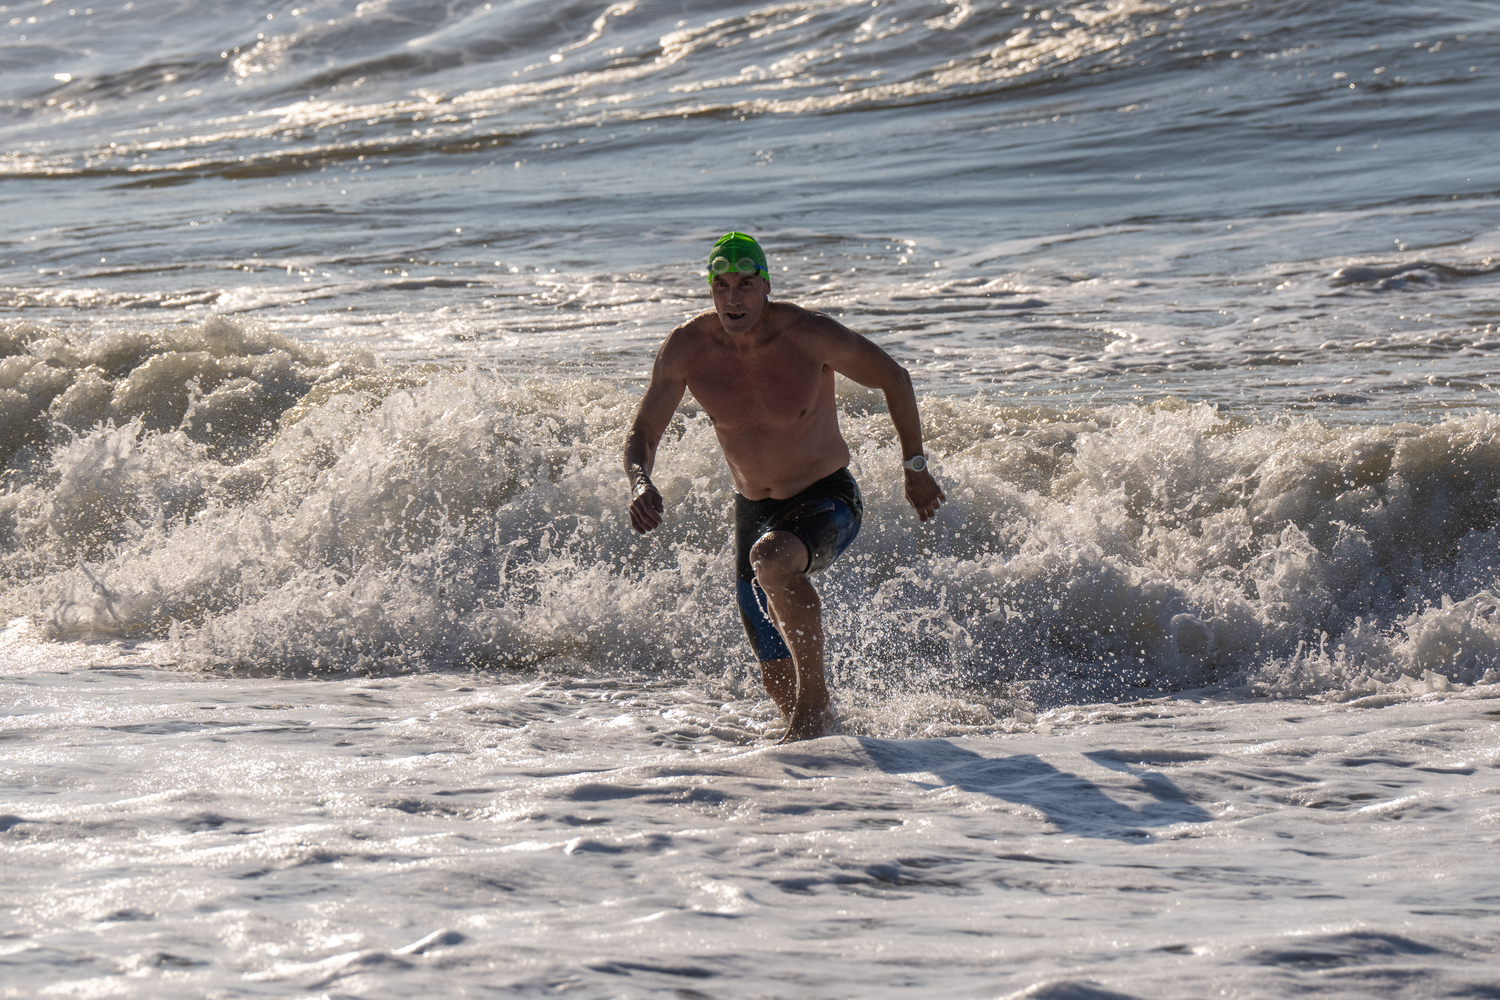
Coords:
pixel 735 316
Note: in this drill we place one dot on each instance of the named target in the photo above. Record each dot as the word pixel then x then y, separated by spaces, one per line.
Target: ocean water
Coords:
pixel 332 667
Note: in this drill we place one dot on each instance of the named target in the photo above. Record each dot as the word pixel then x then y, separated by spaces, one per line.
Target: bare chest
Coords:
pixel 761 390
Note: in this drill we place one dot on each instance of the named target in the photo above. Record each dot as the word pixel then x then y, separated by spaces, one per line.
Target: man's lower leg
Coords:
pixel 780 679
pixel 798 613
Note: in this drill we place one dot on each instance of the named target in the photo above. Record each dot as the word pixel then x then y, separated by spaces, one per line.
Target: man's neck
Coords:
pixel 764 331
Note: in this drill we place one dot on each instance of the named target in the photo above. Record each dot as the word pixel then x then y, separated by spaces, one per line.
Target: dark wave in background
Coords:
pixel 964 121
pixel 1080 199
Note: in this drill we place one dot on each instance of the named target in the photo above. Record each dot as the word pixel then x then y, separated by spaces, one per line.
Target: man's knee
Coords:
pixel 777 556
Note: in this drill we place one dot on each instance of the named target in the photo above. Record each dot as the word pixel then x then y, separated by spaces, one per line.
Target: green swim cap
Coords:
pixel 737 252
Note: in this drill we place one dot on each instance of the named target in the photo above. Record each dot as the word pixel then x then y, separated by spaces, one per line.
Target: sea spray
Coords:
pixel 423 518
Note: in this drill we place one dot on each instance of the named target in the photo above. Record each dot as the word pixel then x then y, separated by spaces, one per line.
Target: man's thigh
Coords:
pixel 824 525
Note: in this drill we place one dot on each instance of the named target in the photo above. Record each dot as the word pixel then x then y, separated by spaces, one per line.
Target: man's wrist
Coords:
pixel 916 463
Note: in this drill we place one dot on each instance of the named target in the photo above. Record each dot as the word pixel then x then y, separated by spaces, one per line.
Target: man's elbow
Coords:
pixel 897 381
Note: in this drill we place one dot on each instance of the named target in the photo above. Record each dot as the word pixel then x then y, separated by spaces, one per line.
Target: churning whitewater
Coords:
pixel 279 508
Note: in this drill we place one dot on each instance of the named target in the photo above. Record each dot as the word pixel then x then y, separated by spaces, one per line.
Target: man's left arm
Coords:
pixel 862 360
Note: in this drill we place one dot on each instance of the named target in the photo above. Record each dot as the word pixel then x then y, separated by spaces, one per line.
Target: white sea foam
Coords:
pixel 633 835
pixel 313 514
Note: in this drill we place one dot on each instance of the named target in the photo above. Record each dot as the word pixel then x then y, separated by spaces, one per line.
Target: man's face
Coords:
pixel 739 299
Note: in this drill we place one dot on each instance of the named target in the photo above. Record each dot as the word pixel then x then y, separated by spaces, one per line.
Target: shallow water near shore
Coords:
pixel 331 667
pixel 633 836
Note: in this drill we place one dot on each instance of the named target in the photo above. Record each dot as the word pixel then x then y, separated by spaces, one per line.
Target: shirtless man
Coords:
pixel 763 372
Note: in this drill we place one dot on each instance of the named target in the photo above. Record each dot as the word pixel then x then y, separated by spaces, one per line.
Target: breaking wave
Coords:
pixel 273 508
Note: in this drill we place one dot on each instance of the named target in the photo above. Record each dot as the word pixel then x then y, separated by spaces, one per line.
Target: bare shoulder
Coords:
pixel 818 331
pixel 695 330
pixel 684 342
pixel 811 323
pixel 840 348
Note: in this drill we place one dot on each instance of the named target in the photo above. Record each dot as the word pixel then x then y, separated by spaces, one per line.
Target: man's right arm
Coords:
pixel 662 396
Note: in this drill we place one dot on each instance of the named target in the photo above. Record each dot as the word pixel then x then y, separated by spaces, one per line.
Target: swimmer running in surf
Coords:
pixel 763 371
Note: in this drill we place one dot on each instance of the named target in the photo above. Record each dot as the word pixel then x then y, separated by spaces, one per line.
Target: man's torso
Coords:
pixel 771 399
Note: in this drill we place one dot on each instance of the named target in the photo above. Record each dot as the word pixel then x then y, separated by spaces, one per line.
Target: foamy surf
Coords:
pixel 636 835
pixel 267 507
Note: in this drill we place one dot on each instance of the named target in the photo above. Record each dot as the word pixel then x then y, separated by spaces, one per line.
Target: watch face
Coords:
pixel 916 463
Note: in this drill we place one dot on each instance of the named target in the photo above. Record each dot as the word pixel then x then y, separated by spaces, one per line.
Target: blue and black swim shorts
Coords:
pixel 826 516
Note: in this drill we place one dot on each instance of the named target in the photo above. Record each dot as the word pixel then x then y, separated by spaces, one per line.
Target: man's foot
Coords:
pixel 808 724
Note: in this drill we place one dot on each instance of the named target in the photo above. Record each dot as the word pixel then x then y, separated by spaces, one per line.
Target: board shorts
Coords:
pixel 826 516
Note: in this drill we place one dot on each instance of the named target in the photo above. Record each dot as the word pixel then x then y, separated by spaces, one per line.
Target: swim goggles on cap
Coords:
pixel 744 265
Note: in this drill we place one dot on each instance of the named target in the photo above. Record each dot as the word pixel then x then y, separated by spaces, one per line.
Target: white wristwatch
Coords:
pixel 916 463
